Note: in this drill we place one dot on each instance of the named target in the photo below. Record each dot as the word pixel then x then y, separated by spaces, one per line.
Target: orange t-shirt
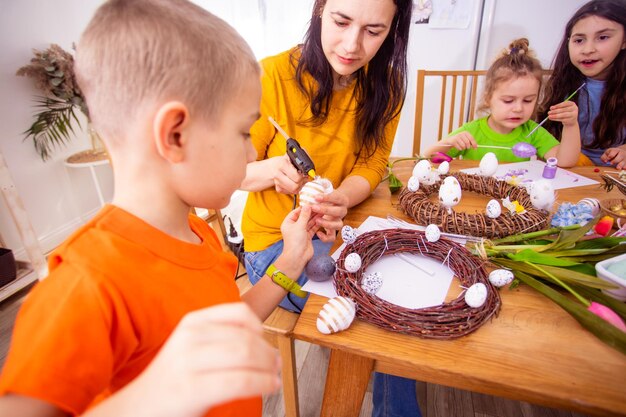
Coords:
pixel 117 289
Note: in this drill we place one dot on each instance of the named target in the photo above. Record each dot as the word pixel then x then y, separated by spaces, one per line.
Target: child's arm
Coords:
pixel 615 156
pixel 568 151
pixel 460 141
pixel 215 355
pixel 297 233
pixel 19 405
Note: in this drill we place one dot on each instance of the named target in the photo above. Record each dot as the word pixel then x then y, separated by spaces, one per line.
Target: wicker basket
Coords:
pixel 615 207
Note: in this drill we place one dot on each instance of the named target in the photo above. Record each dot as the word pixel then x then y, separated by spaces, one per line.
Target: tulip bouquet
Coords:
pixel 395 184
pixel 565 257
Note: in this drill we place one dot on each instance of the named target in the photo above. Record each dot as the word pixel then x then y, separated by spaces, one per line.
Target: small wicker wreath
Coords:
pixel 417 205
pixel 445 321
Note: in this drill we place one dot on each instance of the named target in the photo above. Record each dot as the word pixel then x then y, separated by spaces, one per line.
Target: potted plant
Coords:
pixel 52 71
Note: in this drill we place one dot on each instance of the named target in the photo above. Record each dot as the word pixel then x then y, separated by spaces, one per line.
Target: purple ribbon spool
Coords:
pixel 524 150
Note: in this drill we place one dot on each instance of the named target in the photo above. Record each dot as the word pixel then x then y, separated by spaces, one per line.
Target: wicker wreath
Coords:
pixel 417 205
pixel 445 321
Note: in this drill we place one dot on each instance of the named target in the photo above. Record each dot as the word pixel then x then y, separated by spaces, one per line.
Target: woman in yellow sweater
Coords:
pixel 339 94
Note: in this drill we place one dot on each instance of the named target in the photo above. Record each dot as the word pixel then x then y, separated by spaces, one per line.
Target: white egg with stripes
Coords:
pixel 336 315
pixel 311 189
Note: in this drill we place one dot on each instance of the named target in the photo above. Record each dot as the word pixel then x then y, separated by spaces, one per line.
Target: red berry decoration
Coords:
pixel 596 170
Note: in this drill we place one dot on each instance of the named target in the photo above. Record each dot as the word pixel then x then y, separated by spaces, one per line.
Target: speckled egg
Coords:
pixel 312 189
pixel 493 209
pixel 450 192
pixel 542 194
pixel 413 184
pixel 501 277
pixel 336 315
pixel 352 262
pixel 476 295
pixel 348 234
pixel 320 268
pixel 422 170
pixel 432 233
pixel 488 164
pixel 444 167
pixel 372 282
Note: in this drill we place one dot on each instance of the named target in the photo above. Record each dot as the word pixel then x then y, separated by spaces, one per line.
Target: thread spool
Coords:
pixel 549 171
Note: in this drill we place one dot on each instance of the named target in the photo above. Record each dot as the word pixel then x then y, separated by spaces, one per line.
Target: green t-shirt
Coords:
pixel 484 135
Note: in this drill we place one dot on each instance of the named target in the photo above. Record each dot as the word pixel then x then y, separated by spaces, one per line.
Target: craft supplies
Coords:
pixel 546 119
pixel 549 171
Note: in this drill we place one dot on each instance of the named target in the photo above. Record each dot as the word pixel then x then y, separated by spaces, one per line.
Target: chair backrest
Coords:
pixel 456 103
pixel 459 92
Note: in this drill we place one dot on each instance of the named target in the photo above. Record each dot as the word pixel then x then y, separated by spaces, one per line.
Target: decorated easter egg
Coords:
pixel 450 192
pixel 314 188
pixel 432 233
pixel 501 277
pixel 372 282
pixel 493 209
pixel 352 262
pixel 542 194
pixel 413 184
pixel 524 150
pixel 476 295
pixel 336 315
pixel 320 268
pixel 488 164
pixel 422 170
pixel 444 167
pixel 348 234
pixel 592 203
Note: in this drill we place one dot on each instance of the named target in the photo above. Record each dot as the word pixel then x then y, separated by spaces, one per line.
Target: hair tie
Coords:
pixel 514 50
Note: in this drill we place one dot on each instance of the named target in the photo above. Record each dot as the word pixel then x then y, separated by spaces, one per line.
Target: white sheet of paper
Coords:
pixel 404 284
pixel 529 171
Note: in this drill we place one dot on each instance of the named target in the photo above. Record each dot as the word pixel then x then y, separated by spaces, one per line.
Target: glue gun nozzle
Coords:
pixel 311 173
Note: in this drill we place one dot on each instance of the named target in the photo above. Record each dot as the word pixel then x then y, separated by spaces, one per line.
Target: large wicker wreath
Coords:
pixel 445 321
pixel 417 205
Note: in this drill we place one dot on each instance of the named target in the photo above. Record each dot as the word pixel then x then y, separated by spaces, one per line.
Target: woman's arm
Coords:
pixel 276 172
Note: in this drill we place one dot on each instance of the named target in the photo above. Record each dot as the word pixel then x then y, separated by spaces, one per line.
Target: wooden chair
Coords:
pixel 212 216
pixel 456 102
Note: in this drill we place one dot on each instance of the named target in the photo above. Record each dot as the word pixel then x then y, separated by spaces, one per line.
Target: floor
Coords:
pixel 434 400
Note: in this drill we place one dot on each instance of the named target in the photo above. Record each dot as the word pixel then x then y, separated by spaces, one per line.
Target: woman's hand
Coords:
pixel 615 157
pixel 461 141
pixel 565 112
pixel 287 179
pixel 328 215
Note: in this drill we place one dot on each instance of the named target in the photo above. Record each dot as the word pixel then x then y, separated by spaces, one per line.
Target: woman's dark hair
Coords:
pixel 380 85
pixel 566 78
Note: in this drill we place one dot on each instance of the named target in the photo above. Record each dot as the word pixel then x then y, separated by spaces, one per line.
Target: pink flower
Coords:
pixel 439 157
pixel 607 314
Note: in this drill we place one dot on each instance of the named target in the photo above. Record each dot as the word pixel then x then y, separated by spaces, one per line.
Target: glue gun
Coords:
pixel 297 155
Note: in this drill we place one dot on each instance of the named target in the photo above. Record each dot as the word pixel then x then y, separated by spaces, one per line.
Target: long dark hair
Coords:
pixel 566 78
pixel 380 85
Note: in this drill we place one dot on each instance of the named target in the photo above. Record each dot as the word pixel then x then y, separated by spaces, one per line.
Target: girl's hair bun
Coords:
pixel 518 46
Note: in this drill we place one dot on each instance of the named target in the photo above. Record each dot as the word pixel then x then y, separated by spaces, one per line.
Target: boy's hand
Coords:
pixel 297 235
pixel 214 355
pixel 287 179
pixel 461 141
pixel 329 213
pixel 615 157
pixel 565 112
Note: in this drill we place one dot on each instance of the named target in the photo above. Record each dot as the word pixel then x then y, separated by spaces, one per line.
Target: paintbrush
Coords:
pixel 546 119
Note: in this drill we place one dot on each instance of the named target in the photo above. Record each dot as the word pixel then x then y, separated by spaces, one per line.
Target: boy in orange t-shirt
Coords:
pixel 140 312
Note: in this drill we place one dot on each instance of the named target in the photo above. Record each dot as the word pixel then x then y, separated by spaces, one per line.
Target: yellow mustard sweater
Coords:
pixel 332 146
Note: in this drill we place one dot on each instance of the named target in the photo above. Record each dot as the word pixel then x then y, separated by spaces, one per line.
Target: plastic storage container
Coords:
pixel 603 272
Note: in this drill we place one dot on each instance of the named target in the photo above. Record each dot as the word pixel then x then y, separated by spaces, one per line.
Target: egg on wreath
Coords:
pixel 352 262
pixel 413 184
pixel 450 193
pixel 432 233
pixel 348 234
pixel 493 209
pixel 476 295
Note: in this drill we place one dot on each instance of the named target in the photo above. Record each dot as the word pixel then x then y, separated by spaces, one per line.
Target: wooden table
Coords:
pixel 533 351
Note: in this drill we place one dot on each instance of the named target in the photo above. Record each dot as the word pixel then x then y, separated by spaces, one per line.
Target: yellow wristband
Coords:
pixel 284 281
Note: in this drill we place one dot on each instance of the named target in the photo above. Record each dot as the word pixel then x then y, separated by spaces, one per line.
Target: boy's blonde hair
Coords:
pixel 135 52
pixel 516 61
